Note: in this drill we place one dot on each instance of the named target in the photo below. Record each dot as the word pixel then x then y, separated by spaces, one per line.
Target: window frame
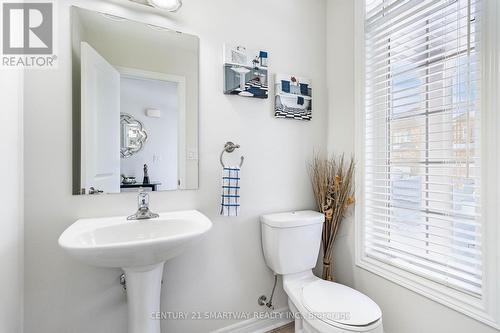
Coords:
pixel 485 308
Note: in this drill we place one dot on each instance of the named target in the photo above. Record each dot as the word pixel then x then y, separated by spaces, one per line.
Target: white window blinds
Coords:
pixel 422 139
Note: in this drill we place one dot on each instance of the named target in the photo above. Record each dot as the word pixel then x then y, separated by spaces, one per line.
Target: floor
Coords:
pixel 284 329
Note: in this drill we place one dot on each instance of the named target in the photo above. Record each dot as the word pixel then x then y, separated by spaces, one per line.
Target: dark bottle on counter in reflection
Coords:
pixel 145 180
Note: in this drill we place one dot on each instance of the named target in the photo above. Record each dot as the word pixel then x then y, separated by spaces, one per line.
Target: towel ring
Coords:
pixel 229 147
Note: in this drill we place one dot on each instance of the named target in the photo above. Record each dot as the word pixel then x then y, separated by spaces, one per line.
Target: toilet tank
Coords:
pixel 291 241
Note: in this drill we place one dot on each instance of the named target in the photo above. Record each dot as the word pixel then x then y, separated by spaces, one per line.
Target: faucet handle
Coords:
pixel 143 211
pixel 142 199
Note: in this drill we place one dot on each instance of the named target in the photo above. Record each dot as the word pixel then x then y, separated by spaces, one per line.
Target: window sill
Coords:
pixel 460 301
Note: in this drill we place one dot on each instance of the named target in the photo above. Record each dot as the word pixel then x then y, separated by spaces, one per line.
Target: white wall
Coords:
pixel 160 150
pixel 11 221
pixel 403 310
pixel 226 271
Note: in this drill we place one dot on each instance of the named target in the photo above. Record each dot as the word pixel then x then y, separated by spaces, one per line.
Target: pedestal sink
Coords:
pixel 140 248
pixel 241 71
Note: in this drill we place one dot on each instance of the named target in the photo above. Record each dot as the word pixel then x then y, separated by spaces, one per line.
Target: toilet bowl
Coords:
pixel 291 243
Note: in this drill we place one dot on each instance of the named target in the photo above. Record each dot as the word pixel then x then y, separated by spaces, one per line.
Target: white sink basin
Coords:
pixel 140 248
pixel 240 70
pixel 117 242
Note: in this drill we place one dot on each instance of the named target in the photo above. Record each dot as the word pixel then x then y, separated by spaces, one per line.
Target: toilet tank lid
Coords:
pixel 293 219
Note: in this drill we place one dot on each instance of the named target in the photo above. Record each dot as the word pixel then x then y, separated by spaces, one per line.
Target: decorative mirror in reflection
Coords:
pixel 135 105
pixel 133 135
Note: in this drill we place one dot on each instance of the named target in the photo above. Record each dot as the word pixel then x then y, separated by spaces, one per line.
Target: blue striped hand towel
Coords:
pixel 230 200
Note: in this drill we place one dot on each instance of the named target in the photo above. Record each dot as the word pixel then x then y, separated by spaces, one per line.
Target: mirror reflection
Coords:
pixel 135 105
pixel 133 135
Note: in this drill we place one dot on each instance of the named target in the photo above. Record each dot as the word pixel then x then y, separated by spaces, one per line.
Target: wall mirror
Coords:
pixel 135 105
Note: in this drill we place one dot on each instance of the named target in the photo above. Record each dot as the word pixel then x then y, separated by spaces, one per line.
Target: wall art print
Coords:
pixel 245 71
pixel 293 97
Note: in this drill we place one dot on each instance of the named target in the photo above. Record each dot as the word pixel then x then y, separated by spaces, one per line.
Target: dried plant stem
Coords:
pixel 332 181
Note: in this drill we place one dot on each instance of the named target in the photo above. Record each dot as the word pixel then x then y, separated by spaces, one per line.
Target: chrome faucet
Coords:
pixel 143 212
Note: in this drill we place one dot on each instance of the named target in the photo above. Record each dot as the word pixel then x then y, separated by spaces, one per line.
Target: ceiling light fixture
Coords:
pixel 170 5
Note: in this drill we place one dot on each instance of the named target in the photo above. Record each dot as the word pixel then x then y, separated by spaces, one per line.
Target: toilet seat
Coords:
pixel 310 320
pixel 309 296
pixel 336 304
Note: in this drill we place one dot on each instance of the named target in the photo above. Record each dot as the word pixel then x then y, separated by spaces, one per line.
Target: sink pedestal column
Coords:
pixel 243 81
pixel 143 295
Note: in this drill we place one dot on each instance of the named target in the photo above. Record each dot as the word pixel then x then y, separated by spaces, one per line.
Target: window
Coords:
pixel 420 213
pixel 422 166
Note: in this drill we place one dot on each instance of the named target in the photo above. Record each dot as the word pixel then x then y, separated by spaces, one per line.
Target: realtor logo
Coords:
pixel 28 34
pixel 27 28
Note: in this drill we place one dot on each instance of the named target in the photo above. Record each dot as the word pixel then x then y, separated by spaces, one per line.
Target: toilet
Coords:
pixel 291 243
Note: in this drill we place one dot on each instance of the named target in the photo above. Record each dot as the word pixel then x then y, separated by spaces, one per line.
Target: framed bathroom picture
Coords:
pixel 245 71
pixel 293 98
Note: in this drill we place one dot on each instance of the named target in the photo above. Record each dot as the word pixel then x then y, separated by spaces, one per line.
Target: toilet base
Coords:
pixel 299 321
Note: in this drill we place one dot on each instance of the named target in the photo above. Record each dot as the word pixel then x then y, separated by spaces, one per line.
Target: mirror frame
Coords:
pixel 125 120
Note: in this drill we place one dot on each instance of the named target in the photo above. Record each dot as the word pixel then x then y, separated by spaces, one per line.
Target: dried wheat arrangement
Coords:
pixel 333 185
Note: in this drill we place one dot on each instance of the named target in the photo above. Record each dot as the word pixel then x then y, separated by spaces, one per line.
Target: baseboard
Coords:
pixel 256 325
